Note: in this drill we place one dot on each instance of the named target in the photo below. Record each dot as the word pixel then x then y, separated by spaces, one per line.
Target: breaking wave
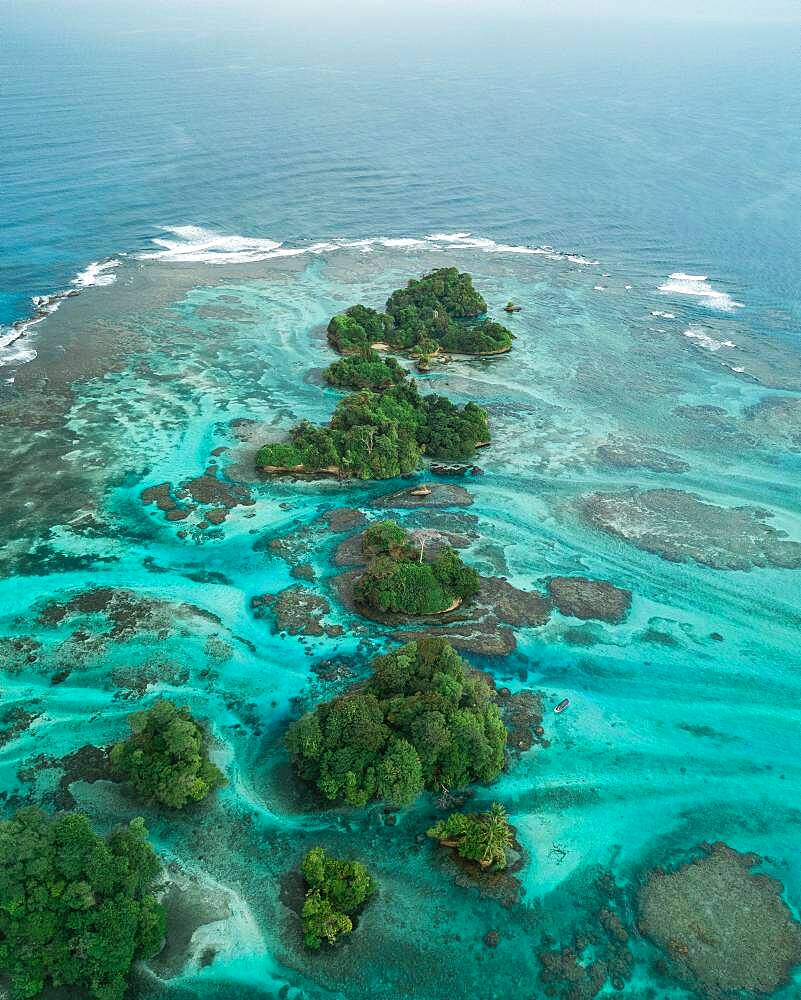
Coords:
pixel 698 286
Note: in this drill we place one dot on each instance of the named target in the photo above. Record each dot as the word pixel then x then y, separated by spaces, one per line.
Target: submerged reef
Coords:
pixel 776 420
pixel 208 495
pixel 597 953
pixel 630 455
pixel 682 527
pixel 722 927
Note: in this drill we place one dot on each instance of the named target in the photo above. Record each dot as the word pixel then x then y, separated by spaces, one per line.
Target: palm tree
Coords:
pixel 497 836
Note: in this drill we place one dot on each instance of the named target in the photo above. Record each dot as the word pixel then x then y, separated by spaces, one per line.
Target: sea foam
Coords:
pixel 99 272
pixel 96 273
pixel 698 286
pixel 194 244
pixel 701 337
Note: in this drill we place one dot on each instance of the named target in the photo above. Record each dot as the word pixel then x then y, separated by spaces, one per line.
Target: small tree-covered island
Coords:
pixel 335 892
pixel 401 580
pixel 378 432
pixel 423 720
pixel 385 426
pixel 441 311
pixel 481 837
pixel 165 759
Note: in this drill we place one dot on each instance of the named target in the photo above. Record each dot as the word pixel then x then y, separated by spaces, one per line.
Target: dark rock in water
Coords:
pixel 510 605
pixel 349 552
pixel 344 518
pixel 18 652
pixel 682 527
pixel 440 495
pixel 14 720
pixel 491 939
pixel 303 571
pixel 703 412
pixel 299 611
pixel 484 638
pixel 522 715
pixel 449 470
pixel 722 928
pixel 578 597
pixel 716 636
pixel 597 954
pixel 88 763
pixel 127 613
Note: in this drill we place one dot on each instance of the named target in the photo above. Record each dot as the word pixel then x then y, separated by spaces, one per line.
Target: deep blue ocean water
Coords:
pixel 670 145
pixel 216 187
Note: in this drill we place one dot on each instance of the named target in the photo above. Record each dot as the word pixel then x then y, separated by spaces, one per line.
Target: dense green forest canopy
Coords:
pixel 166 757
pixel 365 370
pixel 423 720
pixel 379 435
pixel 76 909
pixel 400 579
pixel 335 891
pixel 441 309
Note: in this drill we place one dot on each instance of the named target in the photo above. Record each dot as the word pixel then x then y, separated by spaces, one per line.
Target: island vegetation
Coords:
pixel 76 909
pixel 379 435
pixel 481 837
pixel 165 759
pixel 400 579
pixel 364 370
pixel 423 720
pixel 335 891
pixel 440 311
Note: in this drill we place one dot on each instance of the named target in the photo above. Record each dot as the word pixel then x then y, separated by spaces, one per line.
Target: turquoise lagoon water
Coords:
pixel 673 736
pixel 233 189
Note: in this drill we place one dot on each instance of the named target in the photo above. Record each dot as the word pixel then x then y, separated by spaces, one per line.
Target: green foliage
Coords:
pixel 365 370
pixel 485 337
pixel 381 435
pixel 357 328
pixel 76 909
pixel 444 290
pixel 482 837
pixel 309 447
pixel 381 430
pixel 424 719
pixel 398 580
pixel 449 432
pixel 334 889
pixel 441 309
pixel 385 538
pixel 166 757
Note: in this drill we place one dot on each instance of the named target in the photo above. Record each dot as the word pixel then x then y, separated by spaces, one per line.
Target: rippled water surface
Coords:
pixel 646 431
